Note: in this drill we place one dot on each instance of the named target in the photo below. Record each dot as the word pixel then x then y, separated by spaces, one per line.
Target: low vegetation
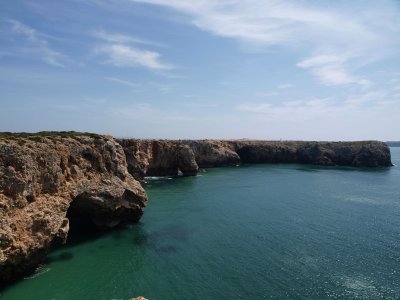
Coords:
pixel 45 134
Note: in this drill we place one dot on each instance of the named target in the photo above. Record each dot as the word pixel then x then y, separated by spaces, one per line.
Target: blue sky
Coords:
pixel 262 69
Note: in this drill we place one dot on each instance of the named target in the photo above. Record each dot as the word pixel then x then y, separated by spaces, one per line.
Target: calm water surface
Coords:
pixel 251 232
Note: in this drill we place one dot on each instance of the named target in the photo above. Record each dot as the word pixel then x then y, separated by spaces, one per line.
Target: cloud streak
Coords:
pixel 146 112
pixel 37 44
pixel 121 51
pixel 298 110
pixel 331 70
pixel 123 82
pixel 122 38
pixel 126 56
pixel 339 39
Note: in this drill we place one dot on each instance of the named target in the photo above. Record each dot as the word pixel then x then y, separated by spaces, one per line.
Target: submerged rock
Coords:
pixel 43 178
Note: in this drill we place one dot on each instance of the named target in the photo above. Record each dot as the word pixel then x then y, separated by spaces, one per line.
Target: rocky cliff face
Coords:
pixel 44 178
pixel 356 154
pixel 158 158
pixel 48 182
pixel 149 158
pixel 209 153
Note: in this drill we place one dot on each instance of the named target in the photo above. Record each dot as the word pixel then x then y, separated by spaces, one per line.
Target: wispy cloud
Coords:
pixel 123 81
pixel 266 94
pixel 369 98
pixel 284 86
pixel 312 109
pixel 122 51
pixel 339 39
pixel 37 44
pixel 298 110
pixel 122 38
pixel 126 56
pixel 162 88
pixel 146 112
pixel 331 70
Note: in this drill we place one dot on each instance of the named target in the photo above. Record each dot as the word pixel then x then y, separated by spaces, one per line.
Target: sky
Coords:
pixel 226 69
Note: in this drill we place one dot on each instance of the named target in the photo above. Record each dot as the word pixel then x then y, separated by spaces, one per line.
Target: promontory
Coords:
pixel 50 181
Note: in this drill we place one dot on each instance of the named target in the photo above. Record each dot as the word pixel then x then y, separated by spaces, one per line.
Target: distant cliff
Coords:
pixel 393 144
pixel 48 181
pixel 161 157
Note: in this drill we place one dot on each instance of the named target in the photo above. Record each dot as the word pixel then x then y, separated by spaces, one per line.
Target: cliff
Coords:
pixel 393 144
pixel 355 154
pixel 155 157
pixel 48 181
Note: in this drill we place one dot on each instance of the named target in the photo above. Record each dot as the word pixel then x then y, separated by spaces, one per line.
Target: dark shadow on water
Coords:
pixel 139 236
pixel 318 168
pixel 77 236
pixel 163 241
pixel 174 232
pixel 166 249
pixel 315 168
pixel 64 256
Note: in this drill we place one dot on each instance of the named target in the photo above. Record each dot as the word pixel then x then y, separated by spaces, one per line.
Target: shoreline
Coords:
pixel 49 180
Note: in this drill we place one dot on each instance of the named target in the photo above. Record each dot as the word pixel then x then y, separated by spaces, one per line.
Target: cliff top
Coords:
pixel 46 134
pixel 244 140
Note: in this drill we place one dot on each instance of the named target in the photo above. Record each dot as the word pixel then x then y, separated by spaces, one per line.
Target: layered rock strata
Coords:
pixel 160 157
pixel 44 178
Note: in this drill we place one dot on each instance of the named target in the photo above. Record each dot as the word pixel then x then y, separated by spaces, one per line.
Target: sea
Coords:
pixel 266 231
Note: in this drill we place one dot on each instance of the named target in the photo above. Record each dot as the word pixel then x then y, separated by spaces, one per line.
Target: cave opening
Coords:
pixel 81 225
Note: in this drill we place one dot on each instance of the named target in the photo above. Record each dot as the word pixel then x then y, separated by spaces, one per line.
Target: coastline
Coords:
pixel 49 180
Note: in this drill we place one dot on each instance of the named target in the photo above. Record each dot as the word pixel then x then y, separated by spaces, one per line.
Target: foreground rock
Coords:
pixel 44 178
pixel 161 158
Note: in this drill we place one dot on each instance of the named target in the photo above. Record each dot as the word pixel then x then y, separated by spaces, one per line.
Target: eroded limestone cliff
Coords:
pixel 158 157
pixel 155 157
pixel 356 154
pixel 49 181
pixel 44 178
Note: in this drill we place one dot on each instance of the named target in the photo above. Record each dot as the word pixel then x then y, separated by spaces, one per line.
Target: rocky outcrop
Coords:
pixel 209 153
pixel 356 154
pixel 186 160
pixel 47 182
pixel 169 158
pixel 158 158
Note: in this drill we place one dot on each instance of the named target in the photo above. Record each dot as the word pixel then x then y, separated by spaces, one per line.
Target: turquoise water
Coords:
pixel 250 232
